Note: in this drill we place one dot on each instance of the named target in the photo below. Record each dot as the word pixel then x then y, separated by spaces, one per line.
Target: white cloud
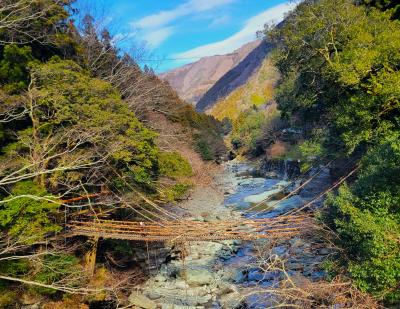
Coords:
pixel 187 8
pixel 220 21
pixel 155 28
pixel 158 36
pixel 245 35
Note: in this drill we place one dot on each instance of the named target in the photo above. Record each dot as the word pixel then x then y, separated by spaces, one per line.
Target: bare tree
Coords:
pixel 19 20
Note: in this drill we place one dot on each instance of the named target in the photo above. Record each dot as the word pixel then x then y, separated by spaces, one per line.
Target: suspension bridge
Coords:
pixel 187 230
pixel 181 230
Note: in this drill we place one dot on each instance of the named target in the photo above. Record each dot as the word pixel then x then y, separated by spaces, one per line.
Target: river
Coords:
pixel 235 274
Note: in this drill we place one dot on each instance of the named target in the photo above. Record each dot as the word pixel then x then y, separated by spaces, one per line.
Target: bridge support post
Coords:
pixel 90 256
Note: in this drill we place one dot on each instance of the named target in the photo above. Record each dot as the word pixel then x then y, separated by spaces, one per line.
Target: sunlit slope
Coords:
pixel 255 93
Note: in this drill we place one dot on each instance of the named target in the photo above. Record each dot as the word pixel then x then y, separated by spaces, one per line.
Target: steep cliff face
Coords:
pixel 236 77
pixel 193 80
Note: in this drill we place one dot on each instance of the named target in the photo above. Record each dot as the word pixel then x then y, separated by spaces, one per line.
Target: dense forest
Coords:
pixel 340 81
pixel 78 139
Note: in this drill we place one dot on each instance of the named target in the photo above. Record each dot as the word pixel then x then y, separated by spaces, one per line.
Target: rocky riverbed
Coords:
pixel 234 274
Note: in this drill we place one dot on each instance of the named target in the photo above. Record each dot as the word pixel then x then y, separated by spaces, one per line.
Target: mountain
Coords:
pixel 193 80
pixel 235 77
pixel 257 92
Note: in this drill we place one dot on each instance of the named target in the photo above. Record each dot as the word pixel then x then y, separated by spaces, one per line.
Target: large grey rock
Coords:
pixel 234 275
pixel 197 277
pixel 142 301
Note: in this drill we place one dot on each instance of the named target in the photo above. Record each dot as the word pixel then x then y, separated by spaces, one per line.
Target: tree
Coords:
pixel 339 64
pixel 366 215
pixel 25 21
pixel 339 68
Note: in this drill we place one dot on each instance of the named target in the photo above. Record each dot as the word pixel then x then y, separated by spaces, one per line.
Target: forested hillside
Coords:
pixel 250 111
pixel 340 82
pixel 78 139
pixel 234 78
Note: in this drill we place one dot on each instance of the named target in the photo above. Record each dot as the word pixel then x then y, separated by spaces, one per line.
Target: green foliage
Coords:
pixel 392 5
pixel 176 191
pixel 207 133
pixel 177 169
pixel 77 102
pixel 331 268
pixel 13 67
pixel 367 218
pixel 41 24
pixel 7 299
pixel 173 165
pixel 249 127
pixel 74 135
pixel 310 151
pixel 55 268
pixel 257 91
pixel 25 213
pixel 204 149
pixel 15 268
pixel 339 64
pixel 349 87
pixel 257 100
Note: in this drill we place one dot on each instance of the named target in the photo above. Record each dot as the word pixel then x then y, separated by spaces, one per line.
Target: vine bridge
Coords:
pixel 187 230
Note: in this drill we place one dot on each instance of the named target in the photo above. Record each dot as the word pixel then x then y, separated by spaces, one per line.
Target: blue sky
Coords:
pixel 182 31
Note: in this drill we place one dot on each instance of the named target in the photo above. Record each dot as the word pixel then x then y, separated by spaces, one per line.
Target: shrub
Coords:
pixel 204 149
pixel 173 165
pixel 26 212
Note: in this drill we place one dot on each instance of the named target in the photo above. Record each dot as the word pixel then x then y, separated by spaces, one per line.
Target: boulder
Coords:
pixel 231 300
pixel 234 275
pixel 142 301
pixel 198 277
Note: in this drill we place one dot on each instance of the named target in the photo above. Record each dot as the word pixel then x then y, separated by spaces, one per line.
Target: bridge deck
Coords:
pixel 186 230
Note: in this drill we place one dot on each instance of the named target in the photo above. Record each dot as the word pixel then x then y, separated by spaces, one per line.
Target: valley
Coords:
pixel 263 176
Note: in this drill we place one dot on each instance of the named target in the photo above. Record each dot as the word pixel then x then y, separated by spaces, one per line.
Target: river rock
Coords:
pixel 223 288
pixel 174 306
pixel 181 284
pixel 231 300
pixel 153 295
pixel 197 277
pixel 234 275
pixel 142 301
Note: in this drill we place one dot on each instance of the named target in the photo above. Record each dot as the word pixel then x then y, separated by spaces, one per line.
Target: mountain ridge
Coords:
pixel 235 77
pixel 193 80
